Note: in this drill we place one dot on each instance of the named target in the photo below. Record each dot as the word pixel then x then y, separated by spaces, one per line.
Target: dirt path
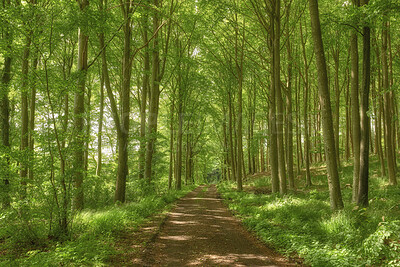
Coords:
pixel 200 231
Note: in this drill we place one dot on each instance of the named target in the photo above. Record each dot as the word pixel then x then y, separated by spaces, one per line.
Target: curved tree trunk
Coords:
pixel 327 122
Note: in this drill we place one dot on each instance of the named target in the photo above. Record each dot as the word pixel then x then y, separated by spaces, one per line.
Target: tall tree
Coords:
pixel 355 108
pixel 306 107
pixel 289 103
pixel 180 101
pixel 364 142
pixel 144 94
pixel 154 93
pixel 239 59
pixel 388 105
pixel 324 100
pixel 276 33
pixel 24 147
pixel 79 112
pixel 123 133
pixel 5 108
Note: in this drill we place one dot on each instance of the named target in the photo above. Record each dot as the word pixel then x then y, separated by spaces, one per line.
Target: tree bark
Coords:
pixel 79 112
pixel 327 122
pixel 179 137
pixel 171 142
pixel 355 109
pixel 100 123
pixel 144 96
pixel 274 162
pixel 239 56
pixel 25 117
pixel 154 97
pixel 278 95
pixel 336 59
pixel 289 115
pixel 388 107
pixel 231 144
pixel 123 136
pixel 362 199
pixel 32 110
pixel 5 114
pixel 305 114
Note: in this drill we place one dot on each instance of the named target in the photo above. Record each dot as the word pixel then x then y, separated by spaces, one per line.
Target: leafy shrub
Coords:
pixel 383 246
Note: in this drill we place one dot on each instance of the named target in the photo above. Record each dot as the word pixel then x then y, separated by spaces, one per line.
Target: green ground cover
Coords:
pixel 302 223
pixel 92 237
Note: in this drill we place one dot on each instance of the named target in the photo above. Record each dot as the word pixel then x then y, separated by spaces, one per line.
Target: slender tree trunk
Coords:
pixel 355 110
pixel 123 136
pixel 100 130
pixel 154 97
pixel 336 59
pixel 231 145
pixel 79 111
pixel 298 128
pixel 225 144
pixel 88 125
pixel 393 98
pixel 101 115
pixel 144 96
pixel 327 122
pixel 239 53
pixel 5 114
pixel 32 120
pixel 362 199
pixel 348 119
pixel 305 114
pixel 289 116
pixel 188 162
pixel 25 117
pixel 273 118
pixel 262 149
pixel 179 139
pixel 171 143
pixel 380 119
pixel 279 101
pixel 388 98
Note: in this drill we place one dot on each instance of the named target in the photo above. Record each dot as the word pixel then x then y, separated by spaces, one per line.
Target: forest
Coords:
pixel 112 111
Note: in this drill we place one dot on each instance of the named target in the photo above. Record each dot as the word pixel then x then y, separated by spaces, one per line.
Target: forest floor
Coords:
pixel 199 231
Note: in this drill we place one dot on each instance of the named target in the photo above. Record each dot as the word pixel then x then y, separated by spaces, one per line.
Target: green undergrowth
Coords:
pixel 91 238
pixel 302 223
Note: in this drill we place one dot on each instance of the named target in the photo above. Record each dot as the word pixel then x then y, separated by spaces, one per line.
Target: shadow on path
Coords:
pixel 201 231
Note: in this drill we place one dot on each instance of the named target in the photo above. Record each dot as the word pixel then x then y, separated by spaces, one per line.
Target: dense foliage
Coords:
pixel 107 102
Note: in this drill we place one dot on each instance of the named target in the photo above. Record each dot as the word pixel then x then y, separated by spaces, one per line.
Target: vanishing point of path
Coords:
pixel 200 231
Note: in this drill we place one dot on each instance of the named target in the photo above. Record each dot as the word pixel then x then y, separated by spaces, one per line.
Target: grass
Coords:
pixel 302 223
pixel 94 234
